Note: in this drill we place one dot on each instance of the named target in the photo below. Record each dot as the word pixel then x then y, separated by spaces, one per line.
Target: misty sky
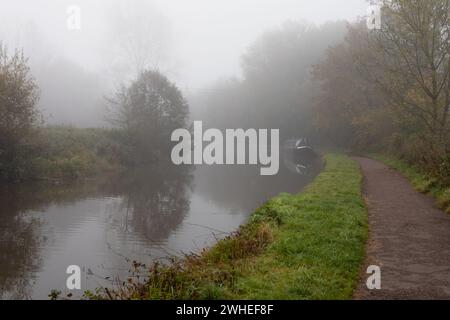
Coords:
pixel 203 39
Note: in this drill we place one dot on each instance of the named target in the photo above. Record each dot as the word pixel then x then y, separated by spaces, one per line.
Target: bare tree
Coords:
pixel 140 35
pixel 409 59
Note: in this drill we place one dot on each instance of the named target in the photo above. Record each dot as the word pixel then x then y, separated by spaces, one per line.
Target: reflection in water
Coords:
pixel 154 201
pixel 19 243
pixel 101 225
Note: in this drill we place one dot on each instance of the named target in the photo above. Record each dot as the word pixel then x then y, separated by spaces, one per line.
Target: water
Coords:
pixel 103 225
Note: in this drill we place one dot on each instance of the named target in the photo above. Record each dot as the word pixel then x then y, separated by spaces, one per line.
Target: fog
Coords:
pixel 195 43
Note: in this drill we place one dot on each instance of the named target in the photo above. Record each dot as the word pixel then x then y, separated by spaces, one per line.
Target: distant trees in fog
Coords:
pixel 146 113
pixel 276 89
pixel 340 85
pixel 18 115
pixel 138 38
pixel 389 89
pixel 346 86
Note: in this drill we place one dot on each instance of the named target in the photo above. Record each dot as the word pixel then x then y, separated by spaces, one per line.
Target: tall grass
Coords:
pixel 71 153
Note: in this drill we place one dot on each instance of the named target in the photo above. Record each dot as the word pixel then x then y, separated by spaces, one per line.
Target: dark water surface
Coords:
pixel 104 224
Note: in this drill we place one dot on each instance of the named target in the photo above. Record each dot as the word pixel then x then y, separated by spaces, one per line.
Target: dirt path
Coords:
pixel 409 238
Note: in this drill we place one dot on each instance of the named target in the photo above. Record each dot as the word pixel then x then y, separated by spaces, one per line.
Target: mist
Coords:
pixel 217 149
pixel 194 43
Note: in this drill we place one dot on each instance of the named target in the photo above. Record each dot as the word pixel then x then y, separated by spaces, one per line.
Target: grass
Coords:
pixel 71 153
pixel 307 246
pixel 422 182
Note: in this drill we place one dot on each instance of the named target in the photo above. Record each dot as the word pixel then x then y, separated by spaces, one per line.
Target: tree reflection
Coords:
pixel 19 246
pixel 242 188
pixel 146 204
pixel 155 200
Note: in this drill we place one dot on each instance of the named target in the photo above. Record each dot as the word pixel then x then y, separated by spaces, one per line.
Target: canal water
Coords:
pixel 104 224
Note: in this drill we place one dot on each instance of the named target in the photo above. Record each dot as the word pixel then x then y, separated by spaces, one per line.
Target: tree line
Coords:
pixel 345 86
pixel 339 84
pixel 388 90
pixel 144 113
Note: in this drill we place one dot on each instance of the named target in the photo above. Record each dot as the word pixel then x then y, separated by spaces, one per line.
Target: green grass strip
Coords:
pixel 319 244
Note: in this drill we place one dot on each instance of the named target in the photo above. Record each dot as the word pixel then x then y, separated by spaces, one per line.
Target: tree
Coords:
pixel 350 111
pixel 139 38
pixel 390 88
pixel 18 115
pixel 149 110
pixel 409 59
pixel 276 87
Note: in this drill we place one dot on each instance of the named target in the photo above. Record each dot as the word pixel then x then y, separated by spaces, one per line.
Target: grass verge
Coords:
pixel 71 153
pixel 421 181
pixel 307 246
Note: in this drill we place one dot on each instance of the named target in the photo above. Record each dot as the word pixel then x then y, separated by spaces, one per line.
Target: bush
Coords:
pixel 71 153
pixel 18 117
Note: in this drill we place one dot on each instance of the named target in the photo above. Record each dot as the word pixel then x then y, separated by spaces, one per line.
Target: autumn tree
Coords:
pixel 18 116
pixel 350 111
pixel 409 60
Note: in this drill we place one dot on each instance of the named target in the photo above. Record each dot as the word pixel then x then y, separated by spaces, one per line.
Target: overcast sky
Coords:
pixel 215 33
pixel 207 37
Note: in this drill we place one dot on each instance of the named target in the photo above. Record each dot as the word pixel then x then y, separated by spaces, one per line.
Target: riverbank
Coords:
pixel 306 246
pixel 64 153
pixel 421 181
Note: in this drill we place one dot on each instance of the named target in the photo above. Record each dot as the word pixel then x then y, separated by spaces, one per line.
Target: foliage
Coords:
pixel 349 111
pixel 388 90
pixel 409 59
pixel 147 113
pixel 149 110
pixel 18 116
